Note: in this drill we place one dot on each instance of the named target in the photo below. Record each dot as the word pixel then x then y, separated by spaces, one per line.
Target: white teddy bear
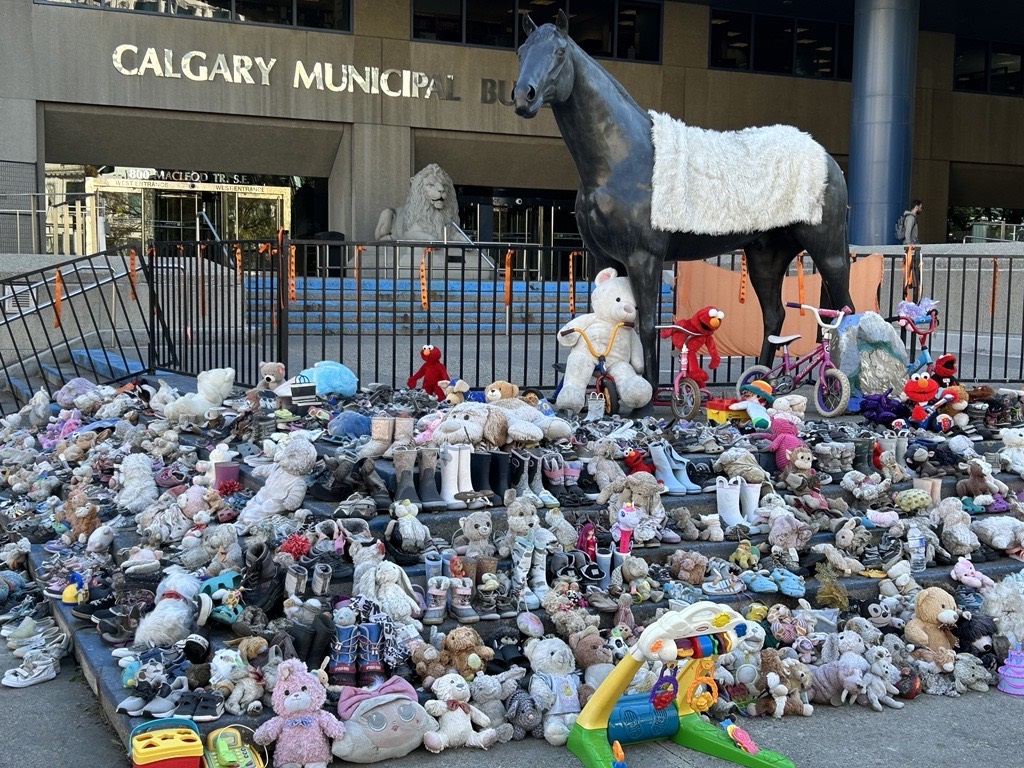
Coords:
pixel 1011 455
pixel 456 717
pixel 613 302
pixel 555 685
pixel 213 386
pixel 285 486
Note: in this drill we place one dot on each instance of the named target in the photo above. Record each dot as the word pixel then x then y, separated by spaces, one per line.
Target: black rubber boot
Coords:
pixel 499 475
pixel 405 465
pixel 480 475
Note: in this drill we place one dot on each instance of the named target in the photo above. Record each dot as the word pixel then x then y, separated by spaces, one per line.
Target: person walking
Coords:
pixel 909 223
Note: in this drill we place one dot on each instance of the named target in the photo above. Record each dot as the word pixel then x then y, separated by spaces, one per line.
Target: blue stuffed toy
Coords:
pixel 332 378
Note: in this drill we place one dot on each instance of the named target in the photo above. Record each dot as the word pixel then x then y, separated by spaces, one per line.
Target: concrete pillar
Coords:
pixel 881 116
pixel 21 166
pixel 370 173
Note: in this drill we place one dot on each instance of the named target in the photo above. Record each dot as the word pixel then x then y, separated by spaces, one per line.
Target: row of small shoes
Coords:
pixel 31 634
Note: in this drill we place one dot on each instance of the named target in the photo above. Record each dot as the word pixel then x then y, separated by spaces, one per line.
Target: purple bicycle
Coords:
pixel 832 392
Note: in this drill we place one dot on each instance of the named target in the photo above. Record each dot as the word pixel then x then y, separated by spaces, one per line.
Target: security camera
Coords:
pixel 519 201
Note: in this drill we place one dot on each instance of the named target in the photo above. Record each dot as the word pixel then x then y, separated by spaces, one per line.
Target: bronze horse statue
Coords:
pixel 609 138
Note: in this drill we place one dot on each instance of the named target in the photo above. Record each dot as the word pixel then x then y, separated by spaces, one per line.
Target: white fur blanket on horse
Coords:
pixel 720 182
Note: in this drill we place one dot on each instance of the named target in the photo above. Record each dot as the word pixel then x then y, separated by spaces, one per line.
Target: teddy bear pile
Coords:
pixel 470 565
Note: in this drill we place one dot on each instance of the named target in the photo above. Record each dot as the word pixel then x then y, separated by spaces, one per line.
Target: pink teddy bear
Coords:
pixel 965 572
pixel 782 435
pixel 300 727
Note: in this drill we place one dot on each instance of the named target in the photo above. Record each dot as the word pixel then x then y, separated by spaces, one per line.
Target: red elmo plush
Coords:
pixel 637 461
pixel 945 370
pixel 702 325
pixel 432 372
pixel 920 389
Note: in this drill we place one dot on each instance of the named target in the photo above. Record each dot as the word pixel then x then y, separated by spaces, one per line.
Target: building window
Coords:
pixel 970 65
pixel 730 40
pixel 773 45
pixel 308 14
pixel 491 23
pixel 987 67
pixel 1005 70
pixel 781 46
pixel 622 29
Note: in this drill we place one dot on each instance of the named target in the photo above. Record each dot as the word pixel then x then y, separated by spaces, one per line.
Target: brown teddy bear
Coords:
pixel 594 657
pixel 84 521
pixel 786 684
pixel 425 659
pixel 935 616
pixel 688 566
pixel 464 651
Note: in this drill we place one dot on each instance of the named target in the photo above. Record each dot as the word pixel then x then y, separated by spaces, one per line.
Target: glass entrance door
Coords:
pixel 162 211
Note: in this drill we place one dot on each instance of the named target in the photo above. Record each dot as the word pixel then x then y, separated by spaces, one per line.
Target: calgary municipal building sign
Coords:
pixel 239 69
pixel 244 70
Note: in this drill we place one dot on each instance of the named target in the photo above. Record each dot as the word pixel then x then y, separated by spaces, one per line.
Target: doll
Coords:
pixel 756 397
pixel 587 541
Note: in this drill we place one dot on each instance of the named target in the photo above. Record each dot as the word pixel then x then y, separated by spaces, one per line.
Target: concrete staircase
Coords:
pixel 347 306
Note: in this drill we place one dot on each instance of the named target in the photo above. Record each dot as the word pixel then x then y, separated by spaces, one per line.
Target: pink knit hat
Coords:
pixel 352 697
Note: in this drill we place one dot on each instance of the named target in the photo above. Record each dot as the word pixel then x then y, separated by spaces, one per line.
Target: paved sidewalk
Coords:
pixel 58 725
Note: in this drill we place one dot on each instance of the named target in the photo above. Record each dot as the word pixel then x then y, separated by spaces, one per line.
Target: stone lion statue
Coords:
pixel 429 206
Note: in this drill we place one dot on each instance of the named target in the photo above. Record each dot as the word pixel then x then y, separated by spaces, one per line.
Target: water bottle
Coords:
pixel 918 552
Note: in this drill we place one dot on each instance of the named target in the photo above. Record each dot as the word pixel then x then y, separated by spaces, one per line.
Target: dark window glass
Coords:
pixel 325 14
pixel 730 40
pixel 491 22
pixel 541 11
pixel 591 25
pixel 437 20
pixel 639 31
pixel 844 52
pixel 970 64
pixel 265 11
pixel 815 49
pixel 1005 73
pixel 773 44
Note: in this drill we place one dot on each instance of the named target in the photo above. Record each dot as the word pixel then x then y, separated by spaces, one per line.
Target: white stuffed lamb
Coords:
pixel 613 302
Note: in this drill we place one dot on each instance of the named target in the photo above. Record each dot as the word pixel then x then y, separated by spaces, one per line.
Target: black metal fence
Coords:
pixel 89 316
pixel 494 309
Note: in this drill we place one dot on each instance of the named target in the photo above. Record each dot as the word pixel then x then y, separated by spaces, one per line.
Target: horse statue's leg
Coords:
pixel 644 270
pixel 827 243
pixel 767 268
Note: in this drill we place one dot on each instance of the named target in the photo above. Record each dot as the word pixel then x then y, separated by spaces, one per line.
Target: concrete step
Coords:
pixel 107 365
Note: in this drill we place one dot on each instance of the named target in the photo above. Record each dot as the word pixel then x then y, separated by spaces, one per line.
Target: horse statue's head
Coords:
pixel 546 69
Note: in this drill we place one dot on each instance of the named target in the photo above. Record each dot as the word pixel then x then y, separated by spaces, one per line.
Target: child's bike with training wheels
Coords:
pixel 922 326
pixel 832 391
pixel 686 393
pixel 604 382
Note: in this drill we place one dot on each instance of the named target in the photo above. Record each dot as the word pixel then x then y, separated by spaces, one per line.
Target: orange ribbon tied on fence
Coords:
pixel 743 277
pixel 572 281
pixel 291 273
pixel 424 296
pixel 57 291
pixel 508 277
pixel 800 281
pixel 238 263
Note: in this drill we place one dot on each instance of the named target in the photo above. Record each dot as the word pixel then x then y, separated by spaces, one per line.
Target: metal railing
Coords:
pixel 89 316
pixel 65 224
pixel 372 306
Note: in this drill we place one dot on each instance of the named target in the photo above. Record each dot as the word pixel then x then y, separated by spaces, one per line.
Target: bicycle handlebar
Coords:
pixel 820 312
pixel 677 328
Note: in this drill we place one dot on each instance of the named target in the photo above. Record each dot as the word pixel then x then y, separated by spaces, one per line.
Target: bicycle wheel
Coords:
pixel 832 393
pixel 762 372
pixel 686 399
pixel 611 395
